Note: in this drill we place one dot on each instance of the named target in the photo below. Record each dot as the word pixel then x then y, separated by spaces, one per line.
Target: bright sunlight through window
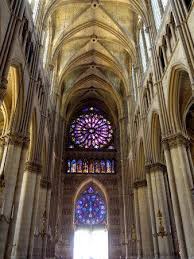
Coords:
pixel 91 244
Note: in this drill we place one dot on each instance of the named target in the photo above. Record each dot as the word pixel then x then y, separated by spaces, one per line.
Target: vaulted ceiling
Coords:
pixel 93 44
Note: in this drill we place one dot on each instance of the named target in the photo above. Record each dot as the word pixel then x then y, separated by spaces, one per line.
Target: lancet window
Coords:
pixel 34 5
pixel 144 44
pixel 158 8
pixel 90 166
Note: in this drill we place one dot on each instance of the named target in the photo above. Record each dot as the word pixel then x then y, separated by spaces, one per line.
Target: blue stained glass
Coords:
pixel 90 208
pixel 68 166
pixel 91 130
pixel 73 166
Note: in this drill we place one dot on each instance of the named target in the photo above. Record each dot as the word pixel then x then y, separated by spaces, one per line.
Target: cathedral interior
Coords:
pixel 96 129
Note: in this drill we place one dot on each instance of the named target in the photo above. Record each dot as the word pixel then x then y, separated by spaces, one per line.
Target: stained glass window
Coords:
pixel 90 208
pixel 79 166
pixel 91 130
pixel 90 166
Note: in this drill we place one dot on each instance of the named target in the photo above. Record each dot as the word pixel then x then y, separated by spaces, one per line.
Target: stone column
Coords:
pixel 25 211
pixel 14 146
pixel 179 175
pixel 144 219
pixel 39 244
pixel 159 193
pixel 137 224
pixel 152 214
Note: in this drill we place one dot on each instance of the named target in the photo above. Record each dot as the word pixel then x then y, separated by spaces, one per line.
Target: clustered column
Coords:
pixel 180 181
pixel 142 219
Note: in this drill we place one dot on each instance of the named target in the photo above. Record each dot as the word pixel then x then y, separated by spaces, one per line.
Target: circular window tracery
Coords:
pixel 90 208
pixel 91 130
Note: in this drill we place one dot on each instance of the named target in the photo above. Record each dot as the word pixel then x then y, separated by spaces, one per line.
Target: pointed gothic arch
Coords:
pixel 180 92
pixel 156 137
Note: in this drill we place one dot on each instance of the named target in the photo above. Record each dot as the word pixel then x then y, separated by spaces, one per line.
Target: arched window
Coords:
pixel 45 43
pixel 158 7
pixel 156 13
pixel 134 83
pixel 144 44
pixel 142 51
pixel 90 208
pixel 90 220
pixel 84 166
pixel 34 5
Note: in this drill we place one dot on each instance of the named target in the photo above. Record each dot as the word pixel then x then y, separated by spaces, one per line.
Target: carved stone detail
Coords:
pixel 15 139
pixel 33 167
pixel 140 183
pixel 45 183
pixel 155 167
pixel 175 140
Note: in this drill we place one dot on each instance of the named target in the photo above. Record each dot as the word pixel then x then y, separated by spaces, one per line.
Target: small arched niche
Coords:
pixel 90 223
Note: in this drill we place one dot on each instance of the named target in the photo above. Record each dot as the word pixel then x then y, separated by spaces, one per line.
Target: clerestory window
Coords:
pixel 158 8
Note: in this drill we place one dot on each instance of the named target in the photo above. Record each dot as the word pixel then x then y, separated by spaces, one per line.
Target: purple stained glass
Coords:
pixel 90 208
pixel 91 130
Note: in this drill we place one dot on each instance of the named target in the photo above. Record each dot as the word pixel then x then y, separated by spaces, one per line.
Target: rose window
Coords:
pixel 91 130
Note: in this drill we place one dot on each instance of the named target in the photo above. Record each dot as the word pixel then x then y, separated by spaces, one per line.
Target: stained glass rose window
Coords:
pixel 91 130
pixel 90 208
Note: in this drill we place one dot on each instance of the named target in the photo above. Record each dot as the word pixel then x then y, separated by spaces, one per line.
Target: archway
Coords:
pixel 90 221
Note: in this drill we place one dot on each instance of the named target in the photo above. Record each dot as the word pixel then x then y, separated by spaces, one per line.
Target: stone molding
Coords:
pixel 45 183
pixel 33 167
pixel 155 167
pixel 175 140
pixel 140 183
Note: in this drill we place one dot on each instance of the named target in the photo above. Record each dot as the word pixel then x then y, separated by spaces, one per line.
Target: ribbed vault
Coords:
pixel 93 45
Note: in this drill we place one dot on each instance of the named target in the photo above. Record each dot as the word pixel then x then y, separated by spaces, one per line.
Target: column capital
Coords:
pixel 140 183
pixel 175 140
pixel 16 139
pixel 33 167
pixel 158 166
pixel 45 183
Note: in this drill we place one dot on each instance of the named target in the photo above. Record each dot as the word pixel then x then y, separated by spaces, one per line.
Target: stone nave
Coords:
pixel 97 129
